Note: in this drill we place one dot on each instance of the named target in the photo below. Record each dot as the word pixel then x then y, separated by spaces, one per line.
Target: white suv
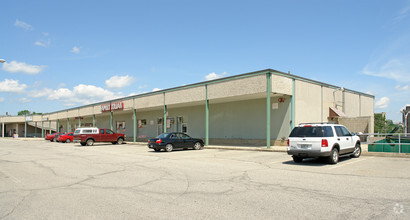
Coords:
pixel 322 140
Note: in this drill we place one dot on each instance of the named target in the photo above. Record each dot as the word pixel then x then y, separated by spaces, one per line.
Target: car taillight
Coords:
pixel 288 142
pixel 158 141
pixel 325 143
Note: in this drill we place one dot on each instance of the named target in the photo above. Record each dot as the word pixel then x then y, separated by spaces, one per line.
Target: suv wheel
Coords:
pixel 120 141
pixel 334 156
pixel 357 151
pixel 90 142
pixel 297 159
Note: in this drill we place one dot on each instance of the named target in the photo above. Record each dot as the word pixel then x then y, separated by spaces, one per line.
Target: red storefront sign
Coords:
pixel 112 106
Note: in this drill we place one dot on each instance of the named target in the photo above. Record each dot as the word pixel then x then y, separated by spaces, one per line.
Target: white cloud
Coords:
pixel 117 82
pixel 156 89
pixel 75 50
pixel 24 25
pixel 24 100
pixel 395 69
pixel 382 103
pixel 42 43
pixel 403 13
pixel 11 85
pixel 213 76
pixel 82 94
pixel 40 93
pixel 404 88
pixel 1 99
pixel 21 67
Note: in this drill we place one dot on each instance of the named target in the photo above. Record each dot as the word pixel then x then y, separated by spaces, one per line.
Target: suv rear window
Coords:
pixel 312 131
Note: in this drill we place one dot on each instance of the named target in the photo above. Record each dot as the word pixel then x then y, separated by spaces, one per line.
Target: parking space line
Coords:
pixel 355 161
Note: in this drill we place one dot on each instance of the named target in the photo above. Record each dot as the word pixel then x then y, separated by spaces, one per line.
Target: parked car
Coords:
pixel 66 138
pixel 174 140
pixel 88 136
pixel 322 140
pixel 57 136
pixel 50 137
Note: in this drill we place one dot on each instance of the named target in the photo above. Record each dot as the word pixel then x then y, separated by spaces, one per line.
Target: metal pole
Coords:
pixel 111 121
pixel 42 128
pixel 165 118
pixel 2 129
pixel 206 116
pixel 94 120
pixel 25 126
pixel 49 126
pixel 135 125
pixel 268 104
pixel 399 144
pixel 35 129
pixel 58 125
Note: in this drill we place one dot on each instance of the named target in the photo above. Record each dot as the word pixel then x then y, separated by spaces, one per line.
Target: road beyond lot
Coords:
pixel 44 180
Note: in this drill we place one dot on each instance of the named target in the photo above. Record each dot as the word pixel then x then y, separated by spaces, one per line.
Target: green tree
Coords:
pixel 383 125
pixel 24 112
pixel 27 112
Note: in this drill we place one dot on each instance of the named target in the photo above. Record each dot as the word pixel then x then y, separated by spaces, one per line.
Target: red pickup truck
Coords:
pixel 87 136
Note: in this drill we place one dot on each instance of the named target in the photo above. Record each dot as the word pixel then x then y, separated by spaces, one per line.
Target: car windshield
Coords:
pixel 164 135
pixel 312 131
pixel 77 131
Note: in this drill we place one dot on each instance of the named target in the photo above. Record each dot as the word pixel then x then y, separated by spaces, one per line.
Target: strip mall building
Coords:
pixel 257 108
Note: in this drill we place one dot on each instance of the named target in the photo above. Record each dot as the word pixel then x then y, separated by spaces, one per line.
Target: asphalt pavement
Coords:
pixel 45 180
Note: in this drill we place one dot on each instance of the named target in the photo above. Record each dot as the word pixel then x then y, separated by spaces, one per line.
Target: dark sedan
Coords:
pixel 174 140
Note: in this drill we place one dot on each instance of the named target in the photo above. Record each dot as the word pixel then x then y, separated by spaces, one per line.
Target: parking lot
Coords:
pixel 46 180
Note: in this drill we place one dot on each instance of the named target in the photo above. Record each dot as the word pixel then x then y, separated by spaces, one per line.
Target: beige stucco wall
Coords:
pixel 97 109
pixel 62 115
pixel 149 101
pixel 352 104
pixel 237 87
pixel 52 116
pixel 328 101
pixel 72 113
pixel 9 119
pixel 307 102
pixel 281 85
pixel 368 110
pixel 128 104
pixel 367 103
pixel 86 111
pixel 37 118
pixel 186 95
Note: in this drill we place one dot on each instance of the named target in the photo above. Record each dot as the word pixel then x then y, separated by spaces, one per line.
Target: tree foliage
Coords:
pixel 383 125
pixel 27 112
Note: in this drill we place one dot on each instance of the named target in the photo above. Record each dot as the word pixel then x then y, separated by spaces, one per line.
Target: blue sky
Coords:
pixel 62 54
